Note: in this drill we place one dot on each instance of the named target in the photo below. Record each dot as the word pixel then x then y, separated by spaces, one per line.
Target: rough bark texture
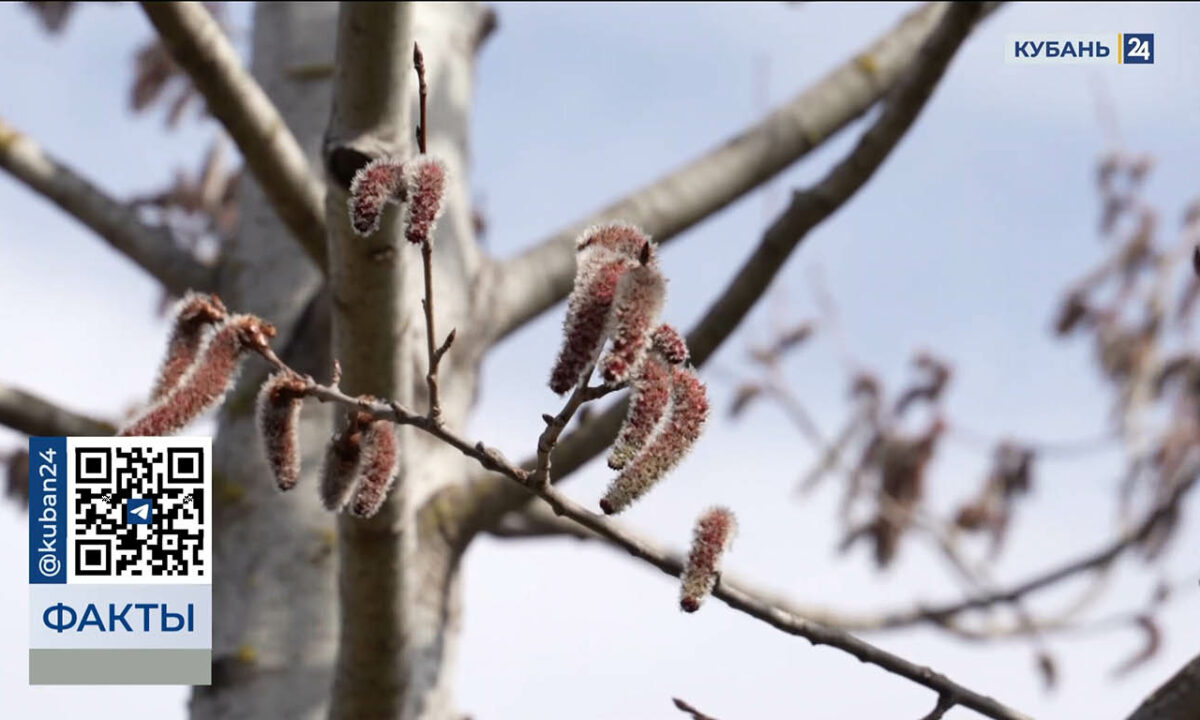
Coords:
pixel 399 583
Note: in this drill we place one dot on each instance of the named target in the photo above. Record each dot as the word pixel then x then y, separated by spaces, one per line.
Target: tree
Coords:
pixel 395 580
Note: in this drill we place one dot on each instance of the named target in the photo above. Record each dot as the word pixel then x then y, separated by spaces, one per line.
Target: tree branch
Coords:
pixel 732 594
pixel 538 520
pixel 271 152
pixel 150 247
pixel 807 210
pixel 529 284
pixel 32 415
pixel 1176 699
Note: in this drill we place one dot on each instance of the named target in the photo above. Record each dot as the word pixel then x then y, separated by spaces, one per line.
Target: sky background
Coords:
pixel 960 244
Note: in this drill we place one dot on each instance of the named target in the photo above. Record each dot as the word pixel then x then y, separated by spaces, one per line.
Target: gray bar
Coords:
pixel 120 667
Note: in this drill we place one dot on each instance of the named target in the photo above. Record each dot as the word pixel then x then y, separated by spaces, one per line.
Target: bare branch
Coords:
pixel 529 284
pixel 536 521
pixel 940 709
pixel 687 708
pixel 271 152
pixel 737 597
pixel 150 247
pixel 807 210
pixel 760 608
pixel 36 416
pixel 1176 699
pixel 1095 560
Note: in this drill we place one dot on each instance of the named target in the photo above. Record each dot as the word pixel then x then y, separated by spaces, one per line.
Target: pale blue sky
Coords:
pixel 961 244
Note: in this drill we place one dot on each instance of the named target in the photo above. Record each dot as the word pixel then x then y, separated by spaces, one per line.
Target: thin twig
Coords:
pixel 435 352
pixel 939 710
pixel 423 93
pixel 689 709
pixel 555 424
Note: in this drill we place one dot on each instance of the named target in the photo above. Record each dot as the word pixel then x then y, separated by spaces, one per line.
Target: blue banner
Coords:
pixel 48 510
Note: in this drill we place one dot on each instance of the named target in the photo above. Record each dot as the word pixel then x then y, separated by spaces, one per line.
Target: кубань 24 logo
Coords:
pixel 1086 48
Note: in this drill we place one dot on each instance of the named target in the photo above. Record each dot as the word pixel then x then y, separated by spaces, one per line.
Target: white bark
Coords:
pixel 275 632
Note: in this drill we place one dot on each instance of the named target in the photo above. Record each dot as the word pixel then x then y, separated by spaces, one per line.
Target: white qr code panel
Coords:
pixel 139 510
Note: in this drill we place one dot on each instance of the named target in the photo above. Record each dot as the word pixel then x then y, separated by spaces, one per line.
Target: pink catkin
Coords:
pixel 340 466
pixel 377 468
pixel 636 305
pixel 278 409
pixel 375 185
pixel 650 397
pixel 587 319
pixel 667 341
pixel 684 422
pixel 195 314
pixel 619 238
pixel 425 180
pixel 207 380
pixel 711 538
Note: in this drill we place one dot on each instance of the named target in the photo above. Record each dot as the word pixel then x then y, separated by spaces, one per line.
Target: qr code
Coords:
pixel 140 510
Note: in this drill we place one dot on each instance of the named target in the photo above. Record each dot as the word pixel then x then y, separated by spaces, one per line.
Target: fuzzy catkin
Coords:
pixel 637 302
pixel 587 321
pixel 682 427
pixel 375 185
pixel 377 468
pixel 712 536
pixel 617 238
pixel 194 314
pixel 340 466
pixel 425 181
pixel 278 411
pixel 667 341
pixel 648 403
pixel 209 378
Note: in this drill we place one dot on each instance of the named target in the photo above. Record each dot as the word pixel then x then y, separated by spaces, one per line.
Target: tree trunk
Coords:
pixel 277 635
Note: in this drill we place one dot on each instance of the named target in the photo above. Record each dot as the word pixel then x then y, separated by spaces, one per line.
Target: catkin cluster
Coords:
pixel 205 352
pixel 419 183
pixel 616 301
pixel 204 355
